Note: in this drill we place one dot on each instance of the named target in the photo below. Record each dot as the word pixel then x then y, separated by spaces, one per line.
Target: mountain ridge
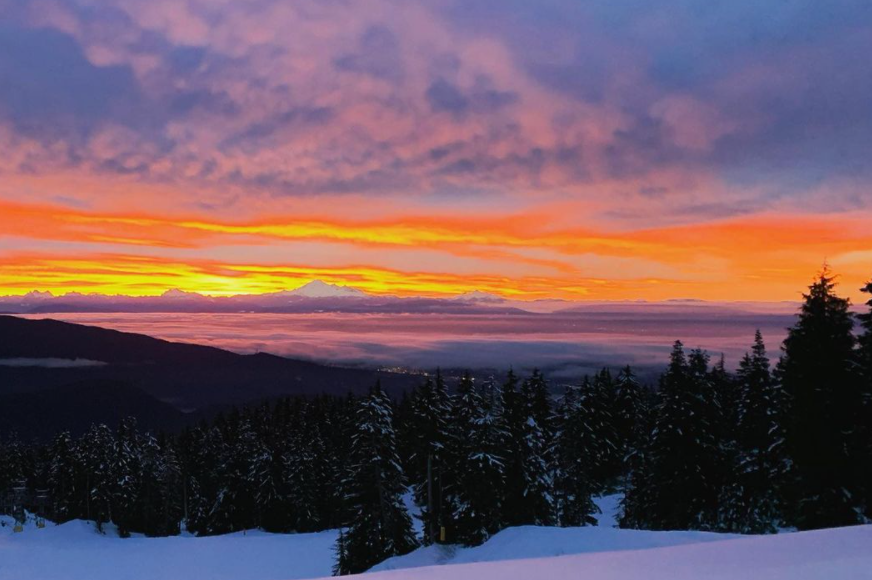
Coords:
pixel 187 376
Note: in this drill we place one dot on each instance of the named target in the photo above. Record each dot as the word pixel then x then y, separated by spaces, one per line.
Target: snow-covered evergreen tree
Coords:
pixel 96 453
pixel 528 499
pixel 430 439
pixel 751 499
pixel 380 526
pixel 597 440
pixel 573 487
pixel 207 454
pixel 479 438
pixel 304 478
pixel 819 373
pixel 126 472
pixel 14 462
pixel 630 414
pixel 236 507
pixel 168 494
pixel 672 488
pixel 61 478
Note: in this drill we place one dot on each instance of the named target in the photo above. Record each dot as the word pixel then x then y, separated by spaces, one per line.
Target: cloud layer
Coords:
pixel 547 148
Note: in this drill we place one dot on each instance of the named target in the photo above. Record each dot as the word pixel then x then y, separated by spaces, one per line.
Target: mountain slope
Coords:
pixel 319 289
pixel 187 376
pixel 74 408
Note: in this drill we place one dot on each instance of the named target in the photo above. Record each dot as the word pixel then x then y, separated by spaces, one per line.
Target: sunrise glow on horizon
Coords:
pixel 431 148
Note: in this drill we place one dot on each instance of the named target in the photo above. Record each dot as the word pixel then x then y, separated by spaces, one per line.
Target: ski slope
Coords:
pixel 75 551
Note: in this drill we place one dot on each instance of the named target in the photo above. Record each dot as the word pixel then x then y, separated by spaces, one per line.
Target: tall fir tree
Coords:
pixel 429 462
pixel 66 502
pixel 751 501
pixel 673 489
pixel 528 499
pixel 863 447
pixel 572 460
pixel 126 473
pixel 596 404
pixel 630 417
pixel 380 526
pixel 818 372
pixel 96 452
pixel 726 397
pixel 478 441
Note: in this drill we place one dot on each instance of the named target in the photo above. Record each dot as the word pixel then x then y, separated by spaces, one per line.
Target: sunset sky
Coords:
pixel 531 148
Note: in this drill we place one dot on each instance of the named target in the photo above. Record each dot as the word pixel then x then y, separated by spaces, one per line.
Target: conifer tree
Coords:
pixel 538 399
pixel 528 499
pixel 596 402
pixel 818 373
pixel 864 434
pixel 62 478
pixel 380 526
pixel 126 474
pixel 865 339
pixel 13 462
pixel 99 479
pixel 630 417
pixel 573 486
pixel 478 440
pixel 431 434
pixel 235 507
pixel 751 501
pixel 207 455
pixel 304 475
pixel 168 496
pixel 726 398
pixel 673 488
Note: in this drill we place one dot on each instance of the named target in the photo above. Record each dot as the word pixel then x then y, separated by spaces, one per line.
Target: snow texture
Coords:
pixel 75 551
pixel 839 553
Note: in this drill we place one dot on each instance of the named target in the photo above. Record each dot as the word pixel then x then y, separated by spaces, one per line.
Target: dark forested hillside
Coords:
pixel 185 375
pixel 74 408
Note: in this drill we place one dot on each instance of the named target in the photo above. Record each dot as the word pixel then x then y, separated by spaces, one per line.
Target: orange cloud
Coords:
pixel 761 257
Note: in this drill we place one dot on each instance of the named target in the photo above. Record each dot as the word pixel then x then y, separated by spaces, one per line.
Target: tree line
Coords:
pixel 783 444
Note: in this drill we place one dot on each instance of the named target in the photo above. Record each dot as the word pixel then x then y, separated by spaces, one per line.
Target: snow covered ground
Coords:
pixel 75 551
pixel 836 554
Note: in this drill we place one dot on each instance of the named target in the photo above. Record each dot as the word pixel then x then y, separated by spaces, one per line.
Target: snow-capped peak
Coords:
pixel 37 295
pixel 319 289
pixel 478 296
pixel 175 293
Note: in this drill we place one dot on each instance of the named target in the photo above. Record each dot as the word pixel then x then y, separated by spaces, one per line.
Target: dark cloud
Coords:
pixel 50 89
pixel 444 96
pixel 258 134
pixel 186 59
pixel 378 55
pixel 483 98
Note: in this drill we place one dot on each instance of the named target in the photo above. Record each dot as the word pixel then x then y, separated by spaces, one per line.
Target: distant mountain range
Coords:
pixel 59 375
pixel 316 296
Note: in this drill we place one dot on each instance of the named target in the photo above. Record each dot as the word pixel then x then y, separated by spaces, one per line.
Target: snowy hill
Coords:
pixel 75 551
pixel 841 553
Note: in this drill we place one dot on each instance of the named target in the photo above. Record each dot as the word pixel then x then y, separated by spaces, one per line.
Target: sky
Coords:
pixel 593 150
